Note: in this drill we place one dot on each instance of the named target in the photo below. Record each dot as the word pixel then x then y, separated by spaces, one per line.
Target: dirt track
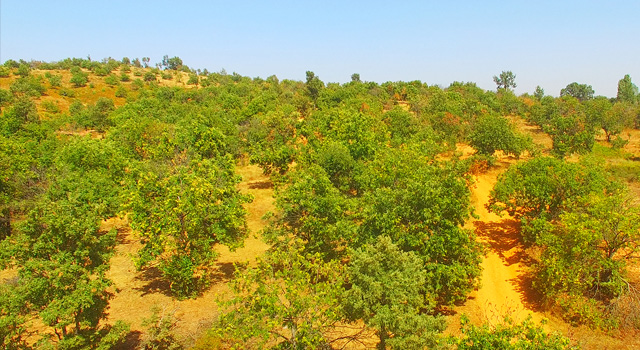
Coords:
pixel 503 290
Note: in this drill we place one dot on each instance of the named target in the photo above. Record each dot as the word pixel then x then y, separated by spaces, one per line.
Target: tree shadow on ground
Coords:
pixel 123 235
pixel 132 341
pixel 529 297
pixel 156 283
pixel 224 273
pixel 502 238
pixel 260 184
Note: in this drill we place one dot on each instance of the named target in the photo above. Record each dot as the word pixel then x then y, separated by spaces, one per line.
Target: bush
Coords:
pixel 193 79
pixel 124 77
pixel 160 332
pixel 137 84
pixel 111 79
pixel 149 76
pixel 55 80
pixel 121 91
pixel 24 70
pixel 67 93
pixel 79 79
pixel 31 86
pixel 495 133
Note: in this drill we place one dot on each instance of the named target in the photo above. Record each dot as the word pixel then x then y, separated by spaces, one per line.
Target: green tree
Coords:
pixel 184 210
pixel 149 76
pixel 289 298
pixel 582 92
pixel 355 78
pixel 24 70
pixel 174 63
pixel 386 293
pixel 627 91
pixel 508 335
pixel 567 122
pixel 492 133
pixel 314 85
pixel 539 93
pixel 506 80
pixel 615 120
pixel 79 79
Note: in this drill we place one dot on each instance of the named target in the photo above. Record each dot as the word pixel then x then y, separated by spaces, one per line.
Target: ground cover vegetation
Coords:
pixel 371 195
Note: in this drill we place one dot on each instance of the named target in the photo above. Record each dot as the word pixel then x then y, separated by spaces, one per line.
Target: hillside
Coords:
pixel 141 189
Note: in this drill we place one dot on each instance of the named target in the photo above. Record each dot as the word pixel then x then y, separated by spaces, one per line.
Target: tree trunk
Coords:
pixel 5 223
pixel 382 345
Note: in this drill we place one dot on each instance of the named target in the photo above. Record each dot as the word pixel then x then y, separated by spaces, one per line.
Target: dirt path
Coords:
pixel 502 292
pixel 137 292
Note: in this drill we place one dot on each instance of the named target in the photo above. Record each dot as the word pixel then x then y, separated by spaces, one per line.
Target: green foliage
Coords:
pixel 95 116
pixel 55 80
pixel 506 80
pixel 137 84
pixel 582 92
pixel 181 212
pixel 288 301
pixel 314 85
pixel 570 123
pixel 121 92
pixel 386 293
pixel 23 70
pixel 508 335
pixel 174 63
pixel 543 187
pixel 583 226
pixel 5 72
pixel 539 93
pixel 79 79
pixel 124 77
pixel 160 331
pixel 22 113
pixel 149 76
pixel 12 319
pixel 627 91
pixel 28 85
pixel 193 79
pixel 492 133
pixel 111 79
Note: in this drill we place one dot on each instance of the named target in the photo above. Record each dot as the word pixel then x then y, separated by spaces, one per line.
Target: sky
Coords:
pixel 545 43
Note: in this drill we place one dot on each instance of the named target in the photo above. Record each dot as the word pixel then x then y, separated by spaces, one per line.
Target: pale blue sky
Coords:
pixel 546 43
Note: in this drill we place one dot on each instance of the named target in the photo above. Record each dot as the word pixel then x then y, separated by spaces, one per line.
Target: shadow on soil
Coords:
pixel 260 184
pixel 156 283
pixel 503 238
pixel 530 299
pixel 132 341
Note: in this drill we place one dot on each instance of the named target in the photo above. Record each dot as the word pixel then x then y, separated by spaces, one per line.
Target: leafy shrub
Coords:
pixel 124 77
pixel 149 76
pixel 79 79
pixel 111 79
pixel 508 336
pixel 121 91
pixel 160 331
